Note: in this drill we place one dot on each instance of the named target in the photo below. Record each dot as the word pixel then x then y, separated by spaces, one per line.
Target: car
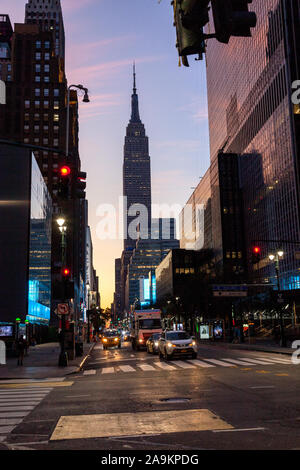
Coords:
pixel 152 344
pixel 176 343
pixel 111 338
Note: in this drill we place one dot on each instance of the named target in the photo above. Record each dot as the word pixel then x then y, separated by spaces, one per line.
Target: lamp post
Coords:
pixel 86 99
pixel 88 311
pixel 276 258
pixel 63 361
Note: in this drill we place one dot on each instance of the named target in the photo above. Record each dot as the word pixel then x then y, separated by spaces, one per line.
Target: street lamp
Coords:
pixel 86 99
pixel 63 361
pixel 276 258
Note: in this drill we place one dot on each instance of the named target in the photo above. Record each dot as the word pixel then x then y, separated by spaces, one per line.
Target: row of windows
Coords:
pixel 46 44
pixel 44 141
pixel 38 56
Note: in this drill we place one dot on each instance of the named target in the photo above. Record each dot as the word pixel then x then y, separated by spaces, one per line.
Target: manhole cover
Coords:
pixel 175 400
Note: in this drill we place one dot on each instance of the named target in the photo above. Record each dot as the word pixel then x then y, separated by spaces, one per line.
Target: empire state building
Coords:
pixel 136 176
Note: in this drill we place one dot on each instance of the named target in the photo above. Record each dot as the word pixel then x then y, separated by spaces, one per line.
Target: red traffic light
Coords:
pixel 65 171
pixel 256 250
pixel 66 272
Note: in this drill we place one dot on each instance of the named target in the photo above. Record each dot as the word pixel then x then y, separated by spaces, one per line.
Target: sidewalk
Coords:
pixel 259 344
pixel 42 363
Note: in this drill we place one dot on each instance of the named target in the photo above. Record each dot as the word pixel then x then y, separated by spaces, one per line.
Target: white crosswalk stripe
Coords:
pixel 16 404
pixel 185 365
pixel 163 365
pixel 175 365
pixel 235 361
pixel 146 367
pixel 127 369
pixel 90 372
pixel 108 370
pixel 220 363
pixel 279 360
pixel 256 361
pixel 201 363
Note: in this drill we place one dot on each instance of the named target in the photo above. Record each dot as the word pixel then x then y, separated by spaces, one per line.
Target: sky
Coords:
pixel 103 38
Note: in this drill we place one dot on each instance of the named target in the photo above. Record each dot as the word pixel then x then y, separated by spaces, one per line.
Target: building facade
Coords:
pixel 25 238
pixel 251 113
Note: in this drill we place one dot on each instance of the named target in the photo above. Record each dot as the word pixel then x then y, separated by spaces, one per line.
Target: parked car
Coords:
pixel 152 344
pixel 111 338
pixel 176 343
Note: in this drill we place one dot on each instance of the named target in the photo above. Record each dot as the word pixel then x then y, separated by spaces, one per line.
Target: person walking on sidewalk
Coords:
pixel 21 350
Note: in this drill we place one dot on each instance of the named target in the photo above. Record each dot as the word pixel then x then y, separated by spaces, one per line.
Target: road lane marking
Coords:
pixel 16 407
pixel 6 429
pixel 263 371
pixel 16 403
pixel 89 372
pixel 146 367
pixel 108 370
pixel 127 369
pixel 184 365
pixel 164 366
pixel 32 381
pixel 136 424
pixel 263 386
pixel 239 430
pixel 235 361
pixel 220 363
pixel 200 363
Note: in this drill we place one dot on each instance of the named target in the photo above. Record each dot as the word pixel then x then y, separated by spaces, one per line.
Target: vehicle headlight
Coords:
pixel 141 340
pixel 194 343
pixel 171 345
pixel 156 343
pixel 116 339
pixel 104 340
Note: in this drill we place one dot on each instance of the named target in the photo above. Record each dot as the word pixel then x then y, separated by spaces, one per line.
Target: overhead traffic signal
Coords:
pixel 65 174
pixel 256 252
pixel 66 273
pixel 232 18
pixel 190 16
pixel 80 185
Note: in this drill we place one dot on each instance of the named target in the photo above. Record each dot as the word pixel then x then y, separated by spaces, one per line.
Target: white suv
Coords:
pixel 176 343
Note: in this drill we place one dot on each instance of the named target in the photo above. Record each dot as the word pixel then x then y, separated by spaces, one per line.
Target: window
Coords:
pixel 37 92
pixel 56 117
pixel 56 105
pixel 37 79
pixel 55 142
pixel 46 79
pixel 46 104
pixel 56 92
pixel 47 44
pixel 27 104
pixel 38 44
pixel 38 68
pixel 46 92
pixel 36 128
pixel 47 56
pixel 36 117
pixel 37 104
pixel 26 117
pixel 47 68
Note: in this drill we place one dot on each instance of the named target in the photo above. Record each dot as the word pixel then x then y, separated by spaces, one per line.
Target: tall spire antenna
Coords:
pixel 134 78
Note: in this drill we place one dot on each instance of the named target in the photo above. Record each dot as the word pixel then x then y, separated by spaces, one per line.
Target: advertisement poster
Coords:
pixel 204 332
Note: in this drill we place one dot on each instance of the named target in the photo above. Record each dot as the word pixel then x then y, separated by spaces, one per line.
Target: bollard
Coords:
pixel 2 353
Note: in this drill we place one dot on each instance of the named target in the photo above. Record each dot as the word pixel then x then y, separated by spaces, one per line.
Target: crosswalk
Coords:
pixel 203 363
pixel 16 404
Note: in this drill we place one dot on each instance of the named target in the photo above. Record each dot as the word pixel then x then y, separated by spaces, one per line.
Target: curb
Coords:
pixel 84 360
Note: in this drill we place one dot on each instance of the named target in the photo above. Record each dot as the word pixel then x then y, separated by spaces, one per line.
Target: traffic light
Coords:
pixel 256 255
pixel 80 185
pixel 65 174
pixel 232 18
pixel 66 273
pixel 190 16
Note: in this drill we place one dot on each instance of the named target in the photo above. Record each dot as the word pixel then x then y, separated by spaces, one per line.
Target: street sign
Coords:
pixel 230 294
pixel 230 290
pixel 63 309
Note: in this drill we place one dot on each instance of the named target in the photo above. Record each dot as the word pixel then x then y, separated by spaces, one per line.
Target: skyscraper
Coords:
pixel 251 113
pixel 48 15
pixel 136 175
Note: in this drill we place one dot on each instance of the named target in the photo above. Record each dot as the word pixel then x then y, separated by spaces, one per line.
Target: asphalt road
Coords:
pixel 126 400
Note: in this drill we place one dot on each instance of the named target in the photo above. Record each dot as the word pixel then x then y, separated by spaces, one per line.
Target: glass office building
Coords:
pixel 39 291
pixel 251 113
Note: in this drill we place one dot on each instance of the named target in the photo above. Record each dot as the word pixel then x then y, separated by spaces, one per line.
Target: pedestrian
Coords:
pixel 21 349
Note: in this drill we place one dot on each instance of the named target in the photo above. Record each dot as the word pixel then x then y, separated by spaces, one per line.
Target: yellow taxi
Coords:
pixel 110 339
